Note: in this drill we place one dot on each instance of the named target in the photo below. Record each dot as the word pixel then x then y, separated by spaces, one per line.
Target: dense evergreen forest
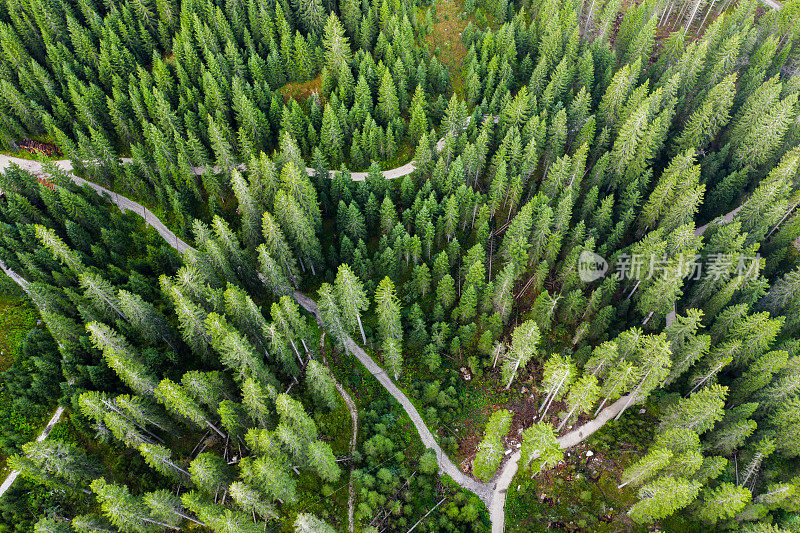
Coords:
pixel 453 266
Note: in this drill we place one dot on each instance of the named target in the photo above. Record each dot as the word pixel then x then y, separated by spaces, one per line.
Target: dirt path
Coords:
pixel 351 406
pixel 568 440
pixel 35 167
pixel 492 494
pixel 43 435
pixel 482 490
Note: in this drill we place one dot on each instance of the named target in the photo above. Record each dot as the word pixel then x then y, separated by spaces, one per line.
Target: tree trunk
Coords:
pixel 513 374
pixel 555 391
pixel 710 8
pixel 600 408
pixel 569 415
pixel 216 430
pixel 788 212
pixel 694 13
pixel 361 328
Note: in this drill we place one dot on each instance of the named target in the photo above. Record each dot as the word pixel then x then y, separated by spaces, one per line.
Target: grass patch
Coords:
pixel 578 495
pixel 24 154
pixel 445 40
pixel 16 319
pixel 581 494
pixel 300 91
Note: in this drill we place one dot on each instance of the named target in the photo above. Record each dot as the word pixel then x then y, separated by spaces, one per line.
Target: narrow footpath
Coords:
pixel 351 406
pixel 493 494
pixel 43 435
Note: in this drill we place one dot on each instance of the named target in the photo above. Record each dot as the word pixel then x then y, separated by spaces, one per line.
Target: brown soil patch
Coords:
pixel 445 38
pixel 300 91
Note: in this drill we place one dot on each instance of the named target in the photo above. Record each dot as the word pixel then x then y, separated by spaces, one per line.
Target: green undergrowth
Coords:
pixel 381 416
pixel 581 494
pixel 16 319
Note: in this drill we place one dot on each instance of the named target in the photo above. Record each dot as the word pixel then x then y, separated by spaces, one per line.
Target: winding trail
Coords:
pixel 493 494
pixel 351 406
pixel 482 490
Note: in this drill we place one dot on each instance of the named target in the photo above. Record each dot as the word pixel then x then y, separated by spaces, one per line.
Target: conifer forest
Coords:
pixel 367 266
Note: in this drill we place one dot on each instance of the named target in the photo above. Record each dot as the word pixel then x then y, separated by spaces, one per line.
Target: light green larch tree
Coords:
pixel 387 307
pixel 393 356
pixel 125 511
pixel 698 412
pixel 524 341
pixel 319 380
pixel 646 467
pixel 663 497
pixel 723 502
pixel 490 449
pixel 540 449
pixel 581 397
pixel 352 299
pixel 336 43
pixel 559 373
pixel 308 523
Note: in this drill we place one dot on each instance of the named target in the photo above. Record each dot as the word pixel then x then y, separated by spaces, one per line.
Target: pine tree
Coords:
pixel 699 412
pixel 540 449
pixel 321 383
pixel 524 341
pixel 393 356
pixel 581 397
pixel 308 523
pixel 122 358
pixel 252 501
pixel 709 119
pixel 490 449
pixel 302 61
pixel 446 291
pixel 419 120
pixel 124 510
pixel 211 473
pixel 723 502
pixel 559 373
pixel 61 460
pixel 663 497
pixel 160 459
pixel 388 102
pixel 331 315
pixel 331 136
pixel 387 307
pixel 175 399
pixel 352 299
pixel 337 45
pixel 167 507
pixel 646 467
pixel 322 461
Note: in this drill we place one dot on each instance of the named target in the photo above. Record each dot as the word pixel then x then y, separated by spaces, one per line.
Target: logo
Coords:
pixel 591 266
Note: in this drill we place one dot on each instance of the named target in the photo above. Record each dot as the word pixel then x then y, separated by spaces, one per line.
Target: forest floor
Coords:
pixel 445 38
pixel 301 90
pixel 351 406
pixel 16 319
pixel 581 493
pixel 445 41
